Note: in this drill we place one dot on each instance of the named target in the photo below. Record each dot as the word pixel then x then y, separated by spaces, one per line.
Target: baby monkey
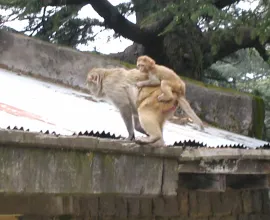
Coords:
pixel 169 83
pixel 168 80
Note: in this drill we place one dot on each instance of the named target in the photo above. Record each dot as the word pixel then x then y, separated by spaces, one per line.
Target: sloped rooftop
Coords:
pixel 35 105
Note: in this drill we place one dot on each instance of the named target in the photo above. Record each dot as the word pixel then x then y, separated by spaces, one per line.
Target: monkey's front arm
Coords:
pixel 152 81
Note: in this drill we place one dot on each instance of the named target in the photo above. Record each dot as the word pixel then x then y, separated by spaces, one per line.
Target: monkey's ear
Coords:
pixel 95 79
pixel 92 78
pixel 152 62
pixel 89 78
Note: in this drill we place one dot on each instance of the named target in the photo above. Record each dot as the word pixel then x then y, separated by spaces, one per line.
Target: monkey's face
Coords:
pixel 145 64
pixel 141 66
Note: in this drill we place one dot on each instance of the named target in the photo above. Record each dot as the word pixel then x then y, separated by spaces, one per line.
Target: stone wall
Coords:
pixel 232 111
pixel 188 205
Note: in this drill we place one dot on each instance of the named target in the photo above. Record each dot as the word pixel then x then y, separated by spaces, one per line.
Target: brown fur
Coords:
pixel 169 82
pixel 117 85
pixel 153 114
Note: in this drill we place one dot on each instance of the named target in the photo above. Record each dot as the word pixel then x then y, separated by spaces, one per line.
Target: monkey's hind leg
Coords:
pixel 166 89
pixel 137 125
pixel 126 114
pixel 150 124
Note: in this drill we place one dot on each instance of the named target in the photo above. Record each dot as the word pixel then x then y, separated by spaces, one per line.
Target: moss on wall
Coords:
pixel 128 65
pixel 217 88
pixel 258 117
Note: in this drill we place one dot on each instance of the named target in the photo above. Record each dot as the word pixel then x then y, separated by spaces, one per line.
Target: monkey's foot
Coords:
pixel 142 140
pixel 159 143
pixel 131 137
pixel 147 140
pixel 162 98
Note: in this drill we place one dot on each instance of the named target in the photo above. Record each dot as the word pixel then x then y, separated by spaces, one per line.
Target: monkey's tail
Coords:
pixel 183 103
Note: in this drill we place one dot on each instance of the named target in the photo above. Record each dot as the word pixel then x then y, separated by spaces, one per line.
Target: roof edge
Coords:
pixel 22 139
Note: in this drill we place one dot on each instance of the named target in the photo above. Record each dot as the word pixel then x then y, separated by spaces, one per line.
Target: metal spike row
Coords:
pixel 27 130
pixel 48 132
pixel 103 134
pixel 238 146
pixel 265 146
pixel 15 128
pixel 241 146
pixel 189 143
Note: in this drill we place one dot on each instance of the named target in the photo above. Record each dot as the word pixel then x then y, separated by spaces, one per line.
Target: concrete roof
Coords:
pixel 37 105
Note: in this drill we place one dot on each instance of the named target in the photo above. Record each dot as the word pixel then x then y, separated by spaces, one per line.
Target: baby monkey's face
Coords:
pixel 145 64
pixel 141 66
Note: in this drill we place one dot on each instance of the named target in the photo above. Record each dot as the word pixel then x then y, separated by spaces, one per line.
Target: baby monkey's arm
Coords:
pixel 153 80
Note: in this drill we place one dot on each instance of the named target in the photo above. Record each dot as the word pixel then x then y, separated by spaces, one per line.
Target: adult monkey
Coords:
pixel 118 86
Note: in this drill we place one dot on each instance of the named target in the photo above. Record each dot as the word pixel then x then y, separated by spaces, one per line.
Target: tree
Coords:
pixel 247 72
pixel 186 35
pixel 243 70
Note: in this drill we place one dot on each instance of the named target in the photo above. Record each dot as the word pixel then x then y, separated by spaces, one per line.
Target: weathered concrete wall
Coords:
pixel 38 163
pixel 238 113
pixel 48 177
pixel 88 166
pixel 38 58
pixel 187 205
pixel 231 110
pixel 63 172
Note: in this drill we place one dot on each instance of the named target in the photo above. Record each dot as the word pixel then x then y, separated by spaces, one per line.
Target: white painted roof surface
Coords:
pixel 37 105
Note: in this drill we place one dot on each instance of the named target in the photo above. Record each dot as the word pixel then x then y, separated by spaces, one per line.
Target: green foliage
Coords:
pixel 209 18
pixel 125 8
pixel 244 70
pixel 190 10
pixel 73 32
pixel 29 6
pixel 54 24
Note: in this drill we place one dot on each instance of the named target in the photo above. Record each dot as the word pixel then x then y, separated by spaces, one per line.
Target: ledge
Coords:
pixel 47 141
pixel 38 163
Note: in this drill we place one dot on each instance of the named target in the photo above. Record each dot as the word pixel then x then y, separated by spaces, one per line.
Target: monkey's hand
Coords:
pixel 139 84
